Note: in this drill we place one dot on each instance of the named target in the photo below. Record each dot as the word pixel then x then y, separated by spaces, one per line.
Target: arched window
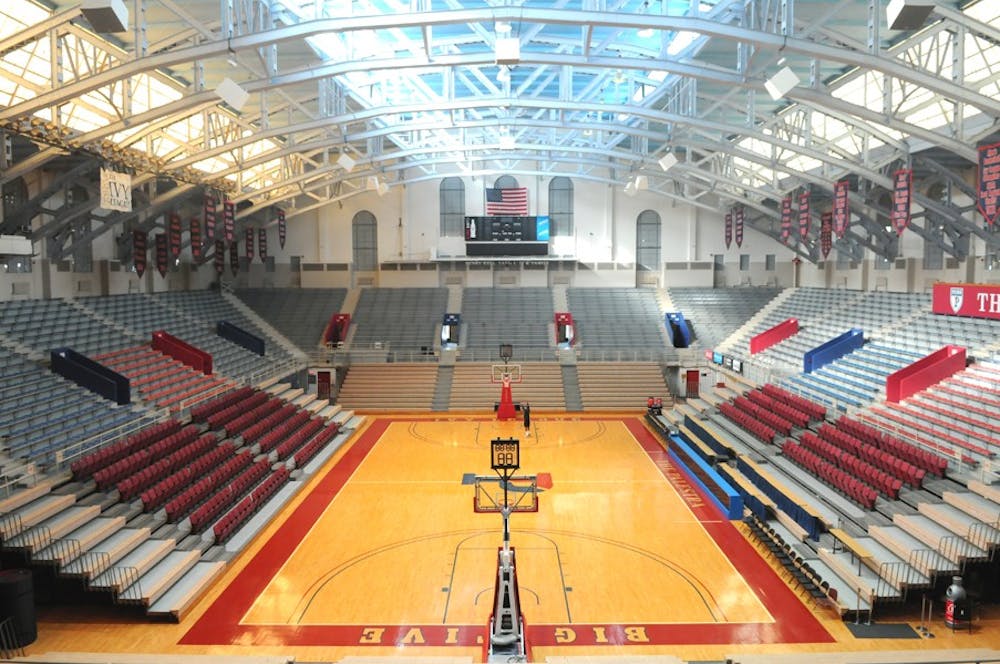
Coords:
pixel 560 206
pixel 364 241
pixel 647 241
pixel 452 196
pixel 505 182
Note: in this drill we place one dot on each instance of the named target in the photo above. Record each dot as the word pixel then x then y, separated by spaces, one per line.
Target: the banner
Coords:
pixel 220 256
pixel 234 257
pixel 229 220
pixel 975 300
pixel 826 233
pixel 841 207
pixel 786 218
pixel 899 216
pixel 139 252
pixel 250 240
pixel 161 254
pixel 729 229
pixel 989 182
pixel 194 235
pixel 804 215
pixel 116 191
pixel 262 243
pixel 281 228
pixel 210 217
pixel 738 226
pixel 174 235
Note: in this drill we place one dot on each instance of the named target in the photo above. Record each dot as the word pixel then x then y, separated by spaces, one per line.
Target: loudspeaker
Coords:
pixel 508 50
pixel 908 14
pixel 781 83
pixel 105 15
pixel 231 93
pixel 17 601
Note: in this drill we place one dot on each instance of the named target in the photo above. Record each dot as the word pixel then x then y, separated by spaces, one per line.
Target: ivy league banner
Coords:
pixel 249 245
pixel 825 233
pixel 989 182
pixel 738 226
pixel 841 207
pixel 220 256
pixel 229 220
pixel 902 181
pixel 804 215
pixel 175 235
pixel 281 228
pixel 195 237
pixel 975 300
pixel 729 229
pixel 161 254
pixel 262 243
pixel 786 219
pixel 139 252
pixel 210 217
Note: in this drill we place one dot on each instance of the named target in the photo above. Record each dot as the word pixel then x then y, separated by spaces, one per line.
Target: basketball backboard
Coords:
pixel 522 494
pixel 511 370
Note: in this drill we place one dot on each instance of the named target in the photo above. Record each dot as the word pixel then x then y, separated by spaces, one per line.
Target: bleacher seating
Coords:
pixel 843 481
pixel 715 313
pixel 518 316
pixel 159 379
pixel 617 385
pixel 300 314
pixel 408 386
pixel 398 319
pixel 616 318
pixel 747 421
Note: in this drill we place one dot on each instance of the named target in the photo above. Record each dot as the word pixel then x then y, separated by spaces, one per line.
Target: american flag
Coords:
pixel 503 202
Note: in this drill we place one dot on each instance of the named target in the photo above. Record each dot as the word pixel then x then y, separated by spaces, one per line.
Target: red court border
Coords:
pixel 220 624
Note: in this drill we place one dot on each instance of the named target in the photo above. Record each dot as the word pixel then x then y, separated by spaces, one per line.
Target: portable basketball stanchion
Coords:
pixel 505 409
pixel 506 642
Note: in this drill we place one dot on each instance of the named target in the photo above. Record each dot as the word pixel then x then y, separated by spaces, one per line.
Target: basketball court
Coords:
pixel 384 553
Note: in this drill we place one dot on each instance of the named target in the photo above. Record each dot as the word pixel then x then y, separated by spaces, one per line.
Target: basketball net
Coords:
pixel 506 411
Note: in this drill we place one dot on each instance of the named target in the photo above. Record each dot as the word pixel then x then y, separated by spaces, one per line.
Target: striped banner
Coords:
pixel 804 215
pixel 786 218
pixel 194 235
pixel 139 252
pixel 262 243
pixel 841 207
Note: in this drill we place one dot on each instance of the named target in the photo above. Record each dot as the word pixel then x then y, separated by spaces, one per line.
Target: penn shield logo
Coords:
pixel 957 297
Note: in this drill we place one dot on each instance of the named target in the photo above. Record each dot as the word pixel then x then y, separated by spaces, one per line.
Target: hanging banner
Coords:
pixel 899 216
pixel 161 254
pixel 826 233
pixel 229 220
pixel 249 244
pixel 116 191
pixel 786 218
pixel 234 257
pixel 220 256
pixel 804 215
pixel 989 182
pixel 262 243
pixel 738 226
pixel 210 217
pixel 174 235
pixel 139 252
pixel 194 235
pixel 281 228
pixel 841 207
pixel 729 229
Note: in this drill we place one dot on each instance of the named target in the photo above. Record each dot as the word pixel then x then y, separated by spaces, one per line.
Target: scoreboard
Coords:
pixel 507 236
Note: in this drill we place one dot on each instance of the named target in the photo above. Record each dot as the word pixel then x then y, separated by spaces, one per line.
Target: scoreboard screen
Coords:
pixel 507 236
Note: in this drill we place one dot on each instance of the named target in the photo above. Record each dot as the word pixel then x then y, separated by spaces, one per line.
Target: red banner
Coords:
pixel 194 234
pixel 174 234
pixel 220 256
pixel 841 207
pixel 139 252
pixel 234 258
pixel 786 218
pixel 738 226
pixel 826 233
pixel 229 220
pixel 249 244
pixel 989 182
pixel 262 243
pixel 729 229
pixel 804 215
pixel 975 300
pixel 281 228
pixel 210 217
pixel 899 216
pixel 161 254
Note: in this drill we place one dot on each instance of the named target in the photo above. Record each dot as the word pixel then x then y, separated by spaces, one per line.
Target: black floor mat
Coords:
pixel 882 631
